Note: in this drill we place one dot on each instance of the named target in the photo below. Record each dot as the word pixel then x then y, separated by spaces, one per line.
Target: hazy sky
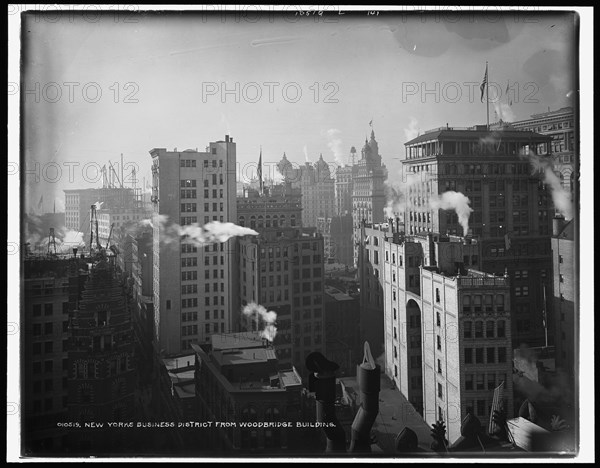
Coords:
pixel 378 68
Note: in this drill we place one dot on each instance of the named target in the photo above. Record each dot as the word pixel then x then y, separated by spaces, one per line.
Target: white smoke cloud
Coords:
pixel 561 198
pixel 412 131
pixel 334 142
pixel 98 205
pixel 196 234
pixel 454 201
pixel 396 200
pixel 305 151
pixel 504 111
pixel 263 318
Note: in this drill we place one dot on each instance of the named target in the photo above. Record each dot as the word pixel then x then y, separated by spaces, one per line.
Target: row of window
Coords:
pixel 192 193
pixel 48 328
pixel 492 355
pixel 479 303
pixel 493 329
pixel 487 381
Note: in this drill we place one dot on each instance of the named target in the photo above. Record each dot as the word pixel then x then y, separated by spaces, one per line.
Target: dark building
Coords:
pixel 242 387
pixel 51 286
pixel 512 207
pixel 101 373
pixel 342 336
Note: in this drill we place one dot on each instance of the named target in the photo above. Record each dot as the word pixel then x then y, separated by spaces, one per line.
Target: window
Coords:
pixel 438 319
pixel 491 379
pixel 468 355
pixel 479 329
pixel 479 355
pixel 501 329
pixel 491 356
pixel 467 326
pixel 469 382
pixel 466 304
pixel 440 391
pixel 439 343
pixel 502 355
pixel 439 366
pixel 480 381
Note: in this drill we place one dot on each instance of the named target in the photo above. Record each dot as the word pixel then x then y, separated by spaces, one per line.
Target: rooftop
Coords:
pixel 336 294
pixel 476 132
pixel 226 341
pixel 238 357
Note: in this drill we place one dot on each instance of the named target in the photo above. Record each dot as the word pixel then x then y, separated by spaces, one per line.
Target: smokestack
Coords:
pixel 226 138
pixel 557 225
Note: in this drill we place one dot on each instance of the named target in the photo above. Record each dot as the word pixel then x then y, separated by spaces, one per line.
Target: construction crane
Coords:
pixel 109 235
pixel 94 226
pixel 51 241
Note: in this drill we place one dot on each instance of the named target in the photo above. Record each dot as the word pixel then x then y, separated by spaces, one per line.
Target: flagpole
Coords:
pixel 487 95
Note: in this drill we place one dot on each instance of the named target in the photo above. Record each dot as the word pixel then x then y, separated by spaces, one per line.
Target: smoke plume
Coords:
pixel 334 142
pixel 210 233
pixel 454 201
pixel 560 197
pixel 263 318
pixel 412 131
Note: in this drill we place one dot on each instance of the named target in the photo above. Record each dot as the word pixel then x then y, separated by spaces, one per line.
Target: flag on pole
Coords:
pixel 259 172
pixel 484 83
pixel 497 405
pixel 41 202
pixel 371 123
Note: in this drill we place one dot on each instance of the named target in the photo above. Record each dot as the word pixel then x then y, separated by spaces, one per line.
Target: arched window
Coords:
pixel 242 221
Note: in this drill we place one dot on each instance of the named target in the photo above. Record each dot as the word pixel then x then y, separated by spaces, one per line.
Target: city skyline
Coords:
pixel 165 71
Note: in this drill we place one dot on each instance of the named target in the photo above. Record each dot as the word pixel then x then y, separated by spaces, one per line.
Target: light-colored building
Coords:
pixel 195 287
pixel 115 218
pixel 446 327
pixel 564 301
pixel 78 202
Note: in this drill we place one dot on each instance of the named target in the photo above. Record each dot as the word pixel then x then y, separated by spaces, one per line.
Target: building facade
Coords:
pixel 78 202
pixel 195 287
pixel 283 270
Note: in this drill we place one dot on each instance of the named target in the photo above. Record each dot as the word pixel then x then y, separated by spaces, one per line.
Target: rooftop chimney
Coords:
pixel 557 225
pixel 226 138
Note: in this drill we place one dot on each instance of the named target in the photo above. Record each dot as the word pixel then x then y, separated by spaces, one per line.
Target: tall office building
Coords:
pixel 512 207
pixel 195 287
pixel 368 189
pixel 282 269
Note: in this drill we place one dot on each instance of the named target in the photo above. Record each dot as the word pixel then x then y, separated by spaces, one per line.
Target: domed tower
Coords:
pixel 285 168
